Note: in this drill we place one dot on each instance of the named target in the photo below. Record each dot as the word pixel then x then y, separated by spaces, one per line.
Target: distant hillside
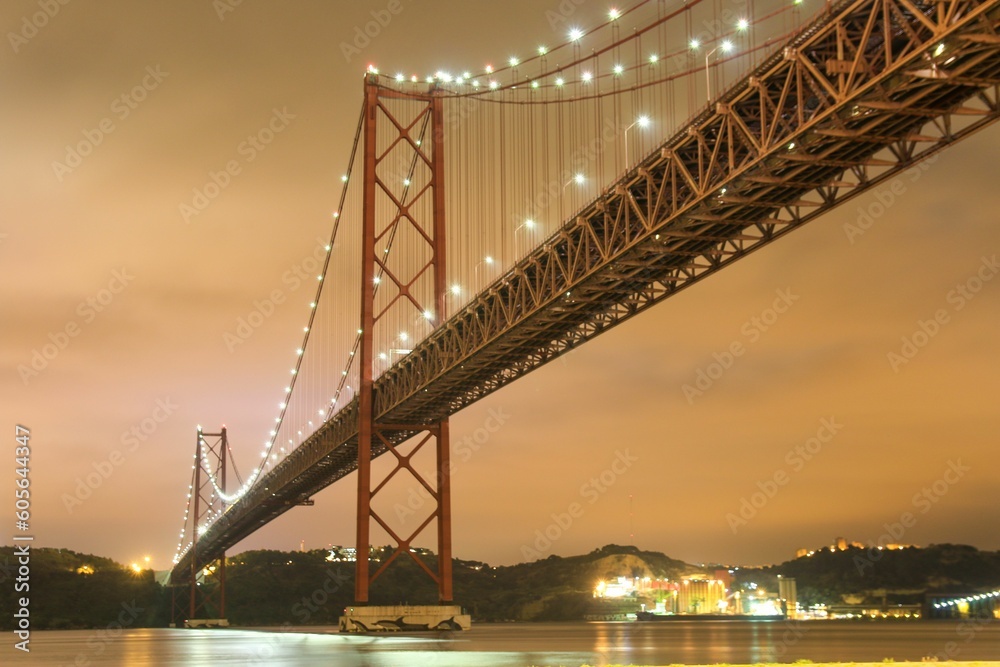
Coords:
pixel 73 590
pixel 557 588
pixel 69 590
pixel 898 576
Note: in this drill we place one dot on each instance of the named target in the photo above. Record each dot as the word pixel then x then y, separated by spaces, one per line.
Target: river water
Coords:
pixel 510 645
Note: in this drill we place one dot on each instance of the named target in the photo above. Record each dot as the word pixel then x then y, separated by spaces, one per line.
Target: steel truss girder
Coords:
pixel 862 94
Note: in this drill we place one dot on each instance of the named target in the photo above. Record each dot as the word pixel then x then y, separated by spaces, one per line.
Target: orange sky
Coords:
pixel 98 260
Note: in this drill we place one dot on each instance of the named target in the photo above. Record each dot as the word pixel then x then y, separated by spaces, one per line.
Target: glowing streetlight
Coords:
pixel 726 47
pixel 641 121
pixel 529 225
pixel 488 261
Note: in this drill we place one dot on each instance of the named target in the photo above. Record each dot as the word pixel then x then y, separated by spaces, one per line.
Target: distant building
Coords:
pixel 788 596
pixel 700 596
pixel 841 544
pixel 342 554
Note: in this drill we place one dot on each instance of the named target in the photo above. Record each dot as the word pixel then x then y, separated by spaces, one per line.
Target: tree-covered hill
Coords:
pixel 73 590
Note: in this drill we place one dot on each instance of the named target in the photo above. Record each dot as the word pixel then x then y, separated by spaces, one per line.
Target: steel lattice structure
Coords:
pixel 862 93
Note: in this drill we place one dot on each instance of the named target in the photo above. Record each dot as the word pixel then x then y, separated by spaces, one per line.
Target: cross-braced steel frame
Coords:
pixel 373 431
pixel 860 95
pixel 204 578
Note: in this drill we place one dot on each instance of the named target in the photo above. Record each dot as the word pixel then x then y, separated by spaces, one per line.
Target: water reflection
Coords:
pixel 510 645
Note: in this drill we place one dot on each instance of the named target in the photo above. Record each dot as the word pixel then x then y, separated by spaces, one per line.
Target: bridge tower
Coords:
pixel 385 211
pixel 204 604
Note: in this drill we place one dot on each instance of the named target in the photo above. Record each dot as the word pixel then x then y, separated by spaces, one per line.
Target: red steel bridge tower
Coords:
pixel 414 129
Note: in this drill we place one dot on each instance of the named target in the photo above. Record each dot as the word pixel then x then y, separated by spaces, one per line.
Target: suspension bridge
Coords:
pixel 490 221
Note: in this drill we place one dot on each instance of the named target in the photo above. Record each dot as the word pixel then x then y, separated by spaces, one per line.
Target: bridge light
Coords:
pixel 575 34
pixel 694 44
pixel 542 50
pixel 456 290
pixel 559 81
pixel 742 24
pixel 587 76
pixel 653 59
pixel 512 62
pixel 613 13
pixel 618 69
pixel 727 46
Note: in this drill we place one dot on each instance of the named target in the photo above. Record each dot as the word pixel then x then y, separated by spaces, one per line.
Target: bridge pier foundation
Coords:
pixel 404 618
